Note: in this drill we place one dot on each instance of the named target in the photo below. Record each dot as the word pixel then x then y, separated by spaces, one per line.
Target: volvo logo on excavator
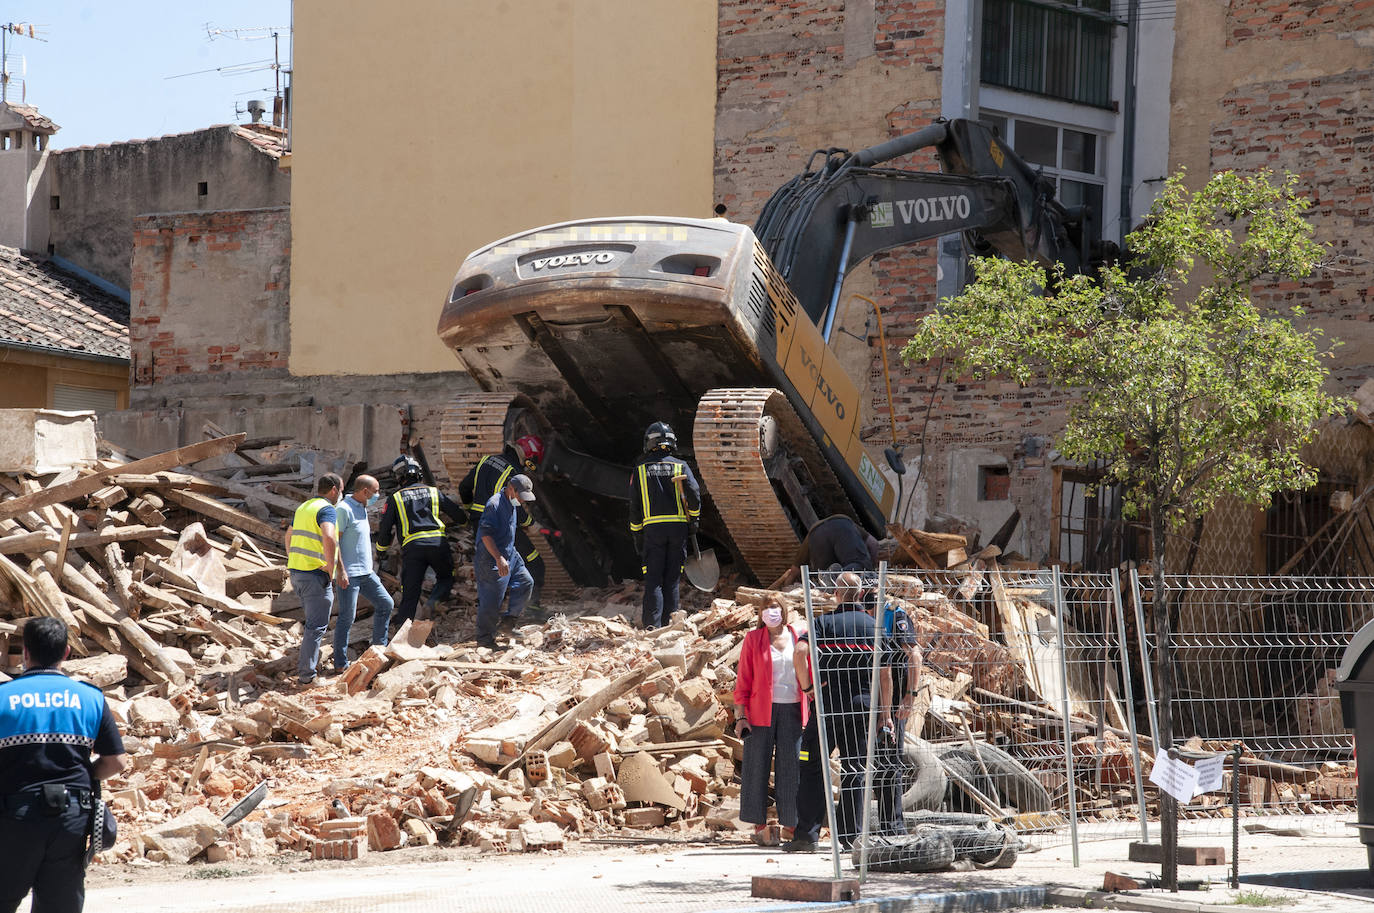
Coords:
pixel 588 258
pixel 935 209
pixel 822 385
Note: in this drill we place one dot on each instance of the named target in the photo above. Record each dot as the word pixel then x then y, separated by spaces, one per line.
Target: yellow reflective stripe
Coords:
pixel 302 552
pixel 665 519
pixel 501 479
pixel 405 518
pixel 644 492
pixel 534 553
pixel 424 534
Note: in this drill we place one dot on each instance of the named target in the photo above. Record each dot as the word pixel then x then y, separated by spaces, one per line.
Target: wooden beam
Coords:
pixel 229 516
pixel 100 478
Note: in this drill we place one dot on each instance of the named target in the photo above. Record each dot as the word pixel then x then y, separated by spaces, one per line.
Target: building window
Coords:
pixel 1072 158
pixel 39 141
pixel 55 202
pixel 7 142
pixel 1062 50
pixel 203 189
pixel 994 483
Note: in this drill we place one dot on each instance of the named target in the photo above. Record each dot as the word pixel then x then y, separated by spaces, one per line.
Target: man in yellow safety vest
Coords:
pixel 312 557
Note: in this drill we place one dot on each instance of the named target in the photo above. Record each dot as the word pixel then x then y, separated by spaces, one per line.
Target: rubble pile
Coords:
pixel 584 726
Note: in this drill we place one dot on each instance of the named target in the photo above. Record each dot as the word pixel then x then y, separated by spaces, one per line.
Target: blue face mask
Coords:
pixel 374 499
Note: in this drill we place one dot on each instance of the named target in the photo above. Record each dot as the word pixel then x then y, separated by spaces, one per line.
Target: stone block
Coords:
pixel 541 835
pixel 644 817
pixel 382 832
pixel 801 887
pixel 419 832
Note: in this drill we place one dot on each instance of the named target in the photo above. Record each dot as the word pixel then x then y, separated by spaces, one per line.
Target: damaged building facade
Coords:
pixel 377 230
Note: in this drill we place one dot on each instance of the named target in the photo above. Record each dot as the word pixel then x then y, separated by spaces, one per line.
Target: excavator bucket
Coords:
pixel 702 568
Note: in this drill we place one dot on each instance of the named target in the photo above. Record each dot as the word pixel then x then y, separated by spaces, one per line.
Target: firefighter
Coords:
pixel 665 505
pixel 490 476
pixel 413 512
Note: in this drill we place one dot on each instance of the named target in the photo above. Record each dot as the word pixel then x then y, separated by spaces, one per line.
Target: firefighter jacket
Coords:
pixel 663 490
pixel 489 476
pixel 413 513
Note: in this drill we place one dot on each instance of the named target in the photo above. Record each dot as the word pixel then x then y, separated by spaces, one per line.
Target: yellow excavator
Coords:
pixel 586 332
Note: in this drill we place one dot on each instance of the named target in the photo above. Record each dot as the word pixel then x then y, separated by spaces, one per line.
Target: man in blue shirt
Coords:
pixel 49 727
pixel 355 550
pixel 496 563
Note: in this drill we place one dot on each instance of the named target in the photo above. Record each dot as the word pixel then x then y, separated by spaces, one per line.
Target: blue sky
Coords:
pixel 102 72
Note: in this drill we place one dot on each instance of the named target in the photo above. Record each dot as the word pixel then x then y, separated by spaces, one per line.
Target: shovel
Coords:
pixel 246 805
pixel 703 571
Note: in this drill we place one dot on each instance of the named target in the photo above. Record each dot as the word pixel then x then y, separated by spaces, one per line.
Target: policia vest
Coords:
pixel 48 726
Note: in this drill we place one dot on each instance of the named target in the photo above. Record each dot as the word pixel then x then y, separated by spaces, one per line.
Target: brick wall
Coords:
pixel 209 293
pixel 799 76
pixel 1320 129
pixel 1291 20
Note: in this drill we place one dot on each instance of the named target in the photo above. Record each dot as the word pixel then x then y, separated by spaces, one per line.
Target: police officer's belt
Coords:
pixel 53 797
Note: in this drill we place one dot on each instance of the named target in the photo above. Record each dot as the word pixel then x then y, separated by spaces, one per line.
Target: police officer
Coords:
pixel 665 506
pixel 490 476
pixel 49 727
pixel 413 513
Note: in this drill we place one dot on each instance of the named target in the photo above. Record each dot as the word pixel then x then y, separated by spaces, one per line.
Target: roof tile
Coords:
pixel 42 306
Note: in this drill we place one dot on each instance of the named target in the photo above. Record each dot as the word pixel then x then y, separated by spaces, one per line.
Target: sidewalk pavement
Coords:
pixel 704 879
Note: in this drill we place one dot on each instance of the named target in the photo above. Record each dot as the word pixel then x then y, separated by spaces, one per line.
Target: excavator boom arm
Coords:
pixel 826 221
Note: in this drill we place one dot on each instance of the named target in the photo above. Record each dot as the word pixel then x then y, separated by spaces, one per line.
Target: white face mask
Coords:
pixel 772 616
pixel 515 502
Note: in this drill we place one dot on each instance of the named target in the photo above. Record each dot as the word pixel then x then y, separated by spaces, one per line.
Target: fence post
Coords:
pixel 873 704
pixel 820 720
pixel 1130 705
pixel 1068 734
pixel 1145 664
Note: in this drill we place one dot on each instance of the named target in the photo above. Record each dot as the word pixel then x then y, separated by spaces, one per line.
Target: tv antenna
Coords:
pixel 255 33
pixel 23 30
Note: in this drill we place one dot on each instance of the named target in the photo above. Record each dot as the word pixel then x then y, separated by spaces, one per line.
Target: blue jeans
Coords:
pixel 370 585
pixel 492 589
pixel 317 598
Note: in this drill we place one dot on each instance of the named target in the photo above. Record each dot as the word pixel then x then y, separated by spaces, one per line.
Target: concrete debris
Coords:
pixel 581 726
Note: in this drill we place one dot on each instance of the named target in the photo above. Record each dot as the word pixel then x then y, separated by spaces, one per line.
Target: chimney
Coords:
pixel 256 108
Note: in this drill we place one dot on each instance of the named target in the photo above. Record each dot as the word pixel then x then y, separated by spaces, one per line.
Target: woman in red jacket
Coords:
pixel 772 690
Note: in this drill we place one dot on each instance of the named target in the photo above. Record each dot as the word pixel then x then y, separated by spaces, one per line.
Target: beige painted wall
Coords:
pixel 441 126
pixel 27 378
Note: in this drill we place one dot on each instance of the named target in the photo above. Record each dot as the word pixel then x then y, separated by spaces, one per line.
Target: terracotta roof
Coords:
pixel 31 116
pixel 270 143
pixel 42 306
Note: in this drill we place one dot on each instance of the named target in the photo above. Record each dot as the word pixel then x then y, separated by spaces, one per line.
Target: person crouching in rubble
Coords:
pixel 772 689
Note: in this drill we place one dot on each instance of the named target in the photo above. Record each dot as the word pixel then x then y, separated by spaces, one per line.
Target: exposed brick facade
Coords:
pixel 1322 131
pixel 235 266
pixel 1295 20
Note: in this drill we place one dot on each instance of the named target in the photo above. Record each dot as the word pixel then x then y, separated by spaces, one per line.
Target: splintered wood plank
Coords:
pixel 100 478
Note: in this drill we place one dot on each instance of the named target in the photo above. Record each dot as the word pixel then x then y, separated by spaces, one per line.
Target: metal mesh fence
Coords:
pixel 979 744
pixel 1255 660
pixel 979 748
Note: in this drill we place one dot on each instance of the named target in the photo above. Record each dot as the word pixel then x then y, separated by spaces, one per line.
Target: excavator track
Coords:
pixel 474 426
pixel 727 444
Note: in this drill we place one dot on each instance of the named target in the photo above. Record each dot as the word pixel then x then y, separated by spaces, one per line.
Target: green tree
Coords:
pixel 1181 384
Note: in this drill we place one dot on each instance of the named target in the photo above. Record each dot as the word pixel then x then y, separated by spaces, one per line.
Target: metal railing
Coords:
pixel 1024 713
pixel 1255 660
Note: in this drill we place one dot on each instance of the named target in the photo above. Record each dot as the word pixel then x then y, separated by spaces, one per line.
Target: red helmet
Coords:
pixel 531 451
